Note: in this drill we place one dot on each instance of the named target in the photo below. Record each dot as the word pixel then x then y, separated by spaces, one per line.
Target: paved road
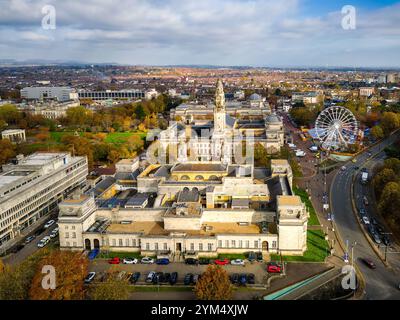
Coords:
pixel 28 249
pixel 382 282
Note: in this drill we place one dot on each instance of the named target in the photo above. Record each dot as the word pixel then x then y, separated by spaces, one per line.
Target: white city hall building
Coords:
pixel 218 139
pixel 31 187
pixel 193 209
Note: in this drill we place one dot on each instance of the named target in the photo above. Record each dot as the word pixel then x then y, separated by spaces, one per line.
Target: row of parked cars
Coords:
pixel 376 230
pixel 242 279
pixel 144 260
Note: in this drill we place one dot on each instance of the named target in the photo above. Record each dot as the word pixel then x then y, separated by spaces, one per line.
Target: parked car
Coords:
pixel 204 261
pixel 150 276
pixel 167 277
pixel 251 278
pixel 243 279
pixel 386 240
pixel 374 221
pixel 222 262
pixel 273 267
pixel 158 278
pixel 188 280
pixel 114 260
pixel 234 278
pixel 343 168
pixel 30 239
pixel 369 263
pixel 196 278
pixel 237 262
pixel 162 261
pixel 90 277
pixel 134 277
pixel 54 233
pixel 362 212
pixel 259 256
pixel 365 220
pixel 147 260
pixel 174 278
pixel 191 261
pixel 49 223
pixel 376 238
pixel 130 261
pixel 252 256
pixel 43 242
pixel 365 200
pixel 93 254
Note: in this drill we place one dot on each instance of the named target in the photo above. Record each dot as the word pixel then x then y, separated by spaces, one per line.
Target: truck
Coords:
pixel 364 177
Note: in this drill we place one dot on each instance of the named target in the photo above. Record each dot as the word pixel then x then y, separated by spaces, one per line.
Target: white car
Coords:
pixel 300 153
pixel 292 145
pixel 89 278
pixel 43 242
pixel 343 168
pixel 129 261
pixel 237 262
pixel 54 233
pixel 147 260
pixel 365 220
pixel 49 223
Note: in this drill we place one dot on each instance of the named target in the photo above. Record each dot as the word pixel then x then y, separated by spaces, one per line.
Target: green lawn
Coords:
pixel 57 135
pixel 317 249
pixel 121 137
pixel 313 220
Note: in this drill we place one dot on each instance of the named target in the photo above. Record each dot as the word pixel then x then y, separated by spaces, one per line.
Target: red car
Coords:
pixel 273 267
pixel 114 260
pixel 222 262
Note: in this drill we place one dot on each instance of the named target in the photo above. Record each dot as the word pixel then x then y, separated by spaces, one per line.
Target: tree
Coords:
pixel 394 164
pixel 382 178
pixel 389 203
pixel 214 284
pixel 2 267
pixel 113 156
pixel 7 151
pixel 10 114
pixel 71 270
pixel 111 289
pixel 389 122
pixel 377 132
pixel 78 116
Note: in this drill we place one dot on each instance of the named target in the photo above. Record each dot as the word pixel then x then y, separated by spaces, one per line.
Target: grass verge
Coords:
pixel 313 220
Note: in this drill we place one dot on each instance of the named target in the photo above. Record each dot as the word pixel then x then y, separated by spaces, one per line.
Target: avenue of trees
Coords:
pixel 386 184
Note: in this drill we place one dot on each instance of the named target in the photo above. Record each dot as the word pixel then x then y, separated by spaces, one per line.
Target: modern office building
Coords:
pixel 31 187
pixel 43 93
pixel 109 94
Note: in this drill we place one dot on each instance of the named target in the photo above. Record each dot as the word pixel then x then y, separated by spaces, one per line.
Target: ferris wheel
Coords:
pixel 336 127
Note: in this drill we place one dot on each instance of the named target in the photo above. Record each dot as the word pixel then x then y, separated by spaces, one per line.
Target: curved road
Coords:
pixel 381 283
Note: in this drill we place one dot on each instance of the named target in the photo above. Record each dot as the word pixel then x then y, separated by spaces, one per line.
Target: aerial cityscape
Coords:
pixel 190 158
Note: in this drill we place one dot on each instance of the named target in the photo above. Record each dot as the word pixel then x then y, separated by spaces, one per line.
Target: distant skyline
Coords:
pixel 265 33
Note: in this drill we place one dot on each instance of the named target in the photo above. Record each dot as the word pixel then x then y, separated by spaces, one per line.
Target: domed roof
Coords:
pixel 273 118
pixel 255 97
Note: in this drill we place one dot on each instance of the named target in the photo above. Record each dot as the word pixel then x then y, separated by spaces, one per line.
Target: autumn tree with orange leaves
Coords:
pixel 214 284
pixel 71 269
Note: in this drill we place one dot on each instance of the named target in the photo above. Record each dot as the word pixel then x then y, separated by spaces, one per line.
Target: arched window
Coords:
pixel 199 177
pixel 185 177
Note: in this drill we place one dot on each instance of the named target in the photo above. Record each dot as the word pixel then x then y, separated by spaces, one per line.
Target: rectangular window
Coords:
pixel 74 235
pixel 210 247
pixel 165 246
pixel 233 242
pixel 273 244
pixel 120 242
pixel 247 243
pixel 147 246
pixel 219 243
pixel 127 242
pixel 133 242
pixel 200 247
pixel 256 244
pixel 156 246
pixel 67 235
pixel 114 242
pixel 192 247
pixel 240 243
pixel 226 243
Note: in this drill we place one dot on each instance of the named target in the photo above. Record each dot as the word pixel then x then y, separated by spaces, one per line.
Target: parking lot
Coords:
pixel 101 266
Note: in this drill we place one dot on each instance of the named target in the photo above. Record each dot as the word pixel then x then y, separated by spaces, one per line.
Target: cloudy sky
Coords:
pixel 217 32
